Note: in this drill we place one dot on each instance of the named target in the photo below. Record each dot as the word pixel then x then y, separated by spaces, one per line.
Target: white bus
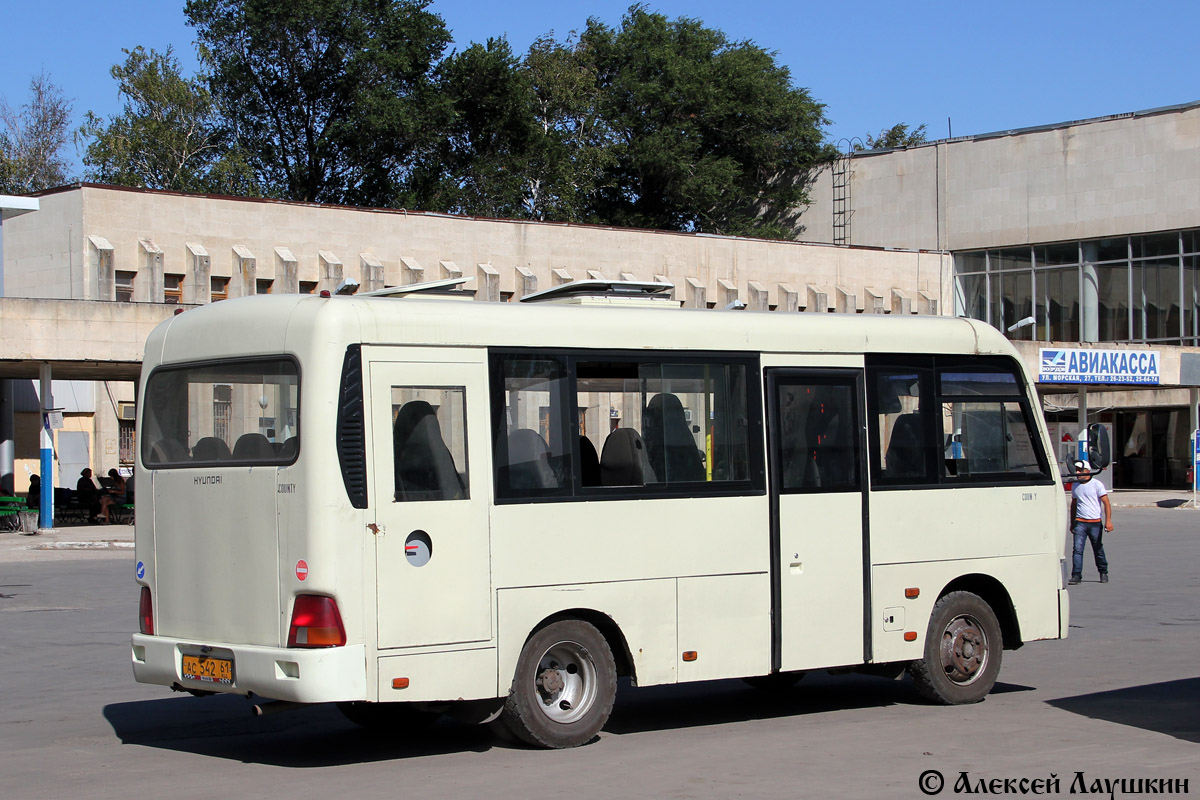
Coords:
pixel 419 506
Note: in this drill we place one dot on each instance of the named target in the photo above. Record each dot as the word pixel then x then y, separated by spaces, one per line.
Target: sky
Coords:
pixel 960 68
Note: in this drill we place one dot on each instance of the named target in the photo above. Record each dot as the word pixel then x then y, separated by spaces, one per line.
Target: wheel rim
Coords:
pixel 964 650
pixel 565 682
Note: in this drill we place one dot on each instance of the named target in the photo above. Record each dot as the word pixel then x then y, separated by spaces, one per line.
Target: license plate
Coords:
pixel 208 669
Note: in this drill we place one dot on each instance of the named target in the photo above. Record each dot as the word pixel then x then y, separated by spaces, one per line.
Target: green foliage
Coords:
pixel 32 139
pixel 168 135
pixel 330 100
pixel 899 135
pixel 706 134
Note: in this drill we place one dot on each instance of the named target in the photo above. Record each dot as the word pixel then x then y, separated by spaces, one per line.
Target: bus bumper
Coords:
pixel 1064 613
pixel 298 675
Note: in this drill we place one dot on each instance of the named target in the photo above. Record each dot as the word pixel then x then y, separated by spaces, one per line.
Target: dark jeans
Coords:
pixel 1095 532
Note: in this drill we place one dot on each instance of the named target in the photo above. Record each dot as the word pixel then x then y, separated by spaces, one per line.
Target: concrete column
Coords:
pixel 331 272
pixel 450 270
pixel 410 271
pixel 245 272
pixel 287 272
pixel 487 283
pixel 1089 299
pixel 197 283
pixel 559 276
pixel 101 281
pixel 596 275
pixel 789 298
pixel 846 301
pixel 901 303
pixel 371 270
pixel 758 297
pixel 627 276
pixel 526 282
pixel 817 300
pixel 665 279
pixel 1194 407
pixel 727 292
pixel 46 502
pixel 927 304
pixel 873 301
pixel 697 294
pixel 152 268
pixel 8 438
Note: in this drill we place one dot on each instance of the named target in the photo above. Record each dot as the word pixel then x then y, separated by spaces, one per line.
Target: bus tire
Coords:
pixel 963 647
pixel 396 718
pixel 563 688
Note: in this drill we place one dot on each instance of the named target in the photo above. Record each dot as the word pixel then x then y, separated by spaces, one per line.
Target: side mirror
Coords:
pixel 1098 447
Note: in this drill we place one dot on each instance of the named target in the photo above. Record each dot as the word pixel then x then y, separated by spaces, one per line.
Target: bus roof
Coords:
pixel 271 324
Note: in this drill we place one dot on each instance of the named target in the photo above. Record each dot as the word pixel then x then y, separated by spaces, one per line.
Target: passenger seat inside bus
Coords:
pixel 210 448
pixel 589 463
pixel 424 467
pixel 905 456
pixel 625 461
pixel 253 447
pixel 669 441
pixel 529 461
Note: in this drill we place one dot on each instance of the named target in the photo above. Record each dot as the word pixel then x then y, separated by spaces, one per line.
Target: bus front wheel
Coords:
pixel 564 686
pixel 962 651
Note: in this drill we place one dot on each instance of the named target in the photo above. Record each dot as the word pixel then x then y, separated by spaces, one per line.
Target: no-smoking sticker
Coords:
pixel 301 569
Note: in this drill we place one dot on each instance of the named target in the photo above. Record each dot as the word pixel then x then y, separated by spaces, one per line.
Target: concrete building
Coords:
pixel 1066 236
pixel 104 263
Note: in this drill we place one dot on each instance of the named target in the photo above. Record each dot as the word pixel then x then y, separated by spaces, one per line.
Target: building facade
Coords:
pixel 1085 232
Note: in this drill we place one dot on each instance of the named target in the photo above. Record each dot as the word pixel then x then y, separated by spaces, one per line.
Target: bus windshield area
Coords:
pixel 239 413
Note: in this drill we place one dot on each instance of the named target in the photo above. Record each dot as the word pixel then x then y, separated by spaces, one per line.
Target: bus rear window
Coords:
pixel 240 413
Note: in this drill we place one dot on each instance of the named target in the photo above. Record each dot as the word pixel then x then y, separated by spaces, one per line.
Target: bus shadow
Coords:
pixel 310 736
pixel 1168 707
pixel 222 726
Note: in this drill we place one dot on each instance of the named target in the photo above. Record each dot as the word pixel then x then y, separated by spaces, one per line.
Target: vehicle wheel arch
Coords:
pixel 608 628
pixel 992 592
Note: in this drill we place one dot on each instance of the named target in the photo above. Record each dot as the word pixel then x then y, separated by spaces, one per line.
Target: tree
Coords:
pixel 898 135
pixel 480 162
pixel 168 136
pixel 32 139
pixel 329 99
pixel 705 134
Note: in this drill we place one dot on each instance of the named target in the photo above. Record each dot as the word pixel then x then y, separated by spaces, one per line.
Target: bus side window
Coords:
pixel 429 443
pixel 905 450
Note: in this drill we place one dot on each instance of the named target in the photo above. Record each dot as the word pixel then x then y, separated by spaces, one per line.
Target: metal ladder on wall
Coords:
pixel 841 189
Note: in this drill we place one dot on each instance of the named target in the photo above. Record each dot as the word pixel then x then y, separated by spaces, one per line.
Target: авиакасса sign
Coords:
pixel 1076 365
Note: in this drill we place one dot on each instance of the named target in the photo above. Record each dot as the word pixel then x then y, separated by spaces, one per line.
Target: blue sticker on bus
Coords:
pixel 141 570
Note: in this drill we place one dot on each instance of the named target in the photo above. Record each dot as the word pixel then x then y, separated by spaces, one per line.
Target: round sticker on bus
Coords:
pixel 141 570
pixel 301 569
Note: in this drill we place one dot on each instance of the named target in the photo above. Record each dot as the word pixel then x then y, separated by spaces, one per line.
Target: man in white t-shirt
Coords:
pixel 1090 509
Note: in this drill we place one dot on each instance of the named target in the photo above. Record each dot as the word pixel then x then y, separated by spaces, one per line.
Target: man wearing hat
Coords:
pixel 1090 509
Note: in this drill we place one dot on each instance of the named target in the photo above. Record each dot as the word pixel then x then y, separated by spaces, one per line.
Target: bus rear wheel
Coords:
pixel 564 686
pixel 962 651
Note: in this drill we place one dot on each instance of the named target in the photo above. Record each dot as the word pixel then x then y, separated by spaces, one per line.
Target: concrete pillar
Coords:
pixel 100 282
pixel 596 275
pixel 665 279
pixel 927 304
pixel 197 281
pixel 697 294
pixel 789 298
pixel 287 272
pixel 901 303
pixel 1194 407
pixel 450 270
pixel 846 301
pixel 8 440
pixel 873 301
pixel 627 276
pixel 526 282
pixel 245 272
pixel 817 300
pixel 1089 305
pixel 1083 410
pixel 410 271
pixel 487 283
pixel 46 502
pixel 331 272
pixel 371 270
pixel 727 292
pixel 559 276
pixel 758 298
pixel 152 268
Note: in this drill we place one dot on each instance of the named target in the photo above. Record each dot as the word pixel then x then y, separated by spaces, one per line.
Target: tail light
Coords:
pixel 316 623
pixel 146 613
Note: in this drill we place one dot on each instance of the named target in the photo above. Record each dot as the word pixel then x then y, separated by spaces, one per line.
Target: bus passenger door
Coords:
pixel 815 435
pixel 430 490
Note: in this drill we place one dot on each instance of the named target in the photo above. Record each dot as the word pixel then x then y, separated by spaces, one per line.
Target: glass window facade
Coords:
pixel 1120 289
